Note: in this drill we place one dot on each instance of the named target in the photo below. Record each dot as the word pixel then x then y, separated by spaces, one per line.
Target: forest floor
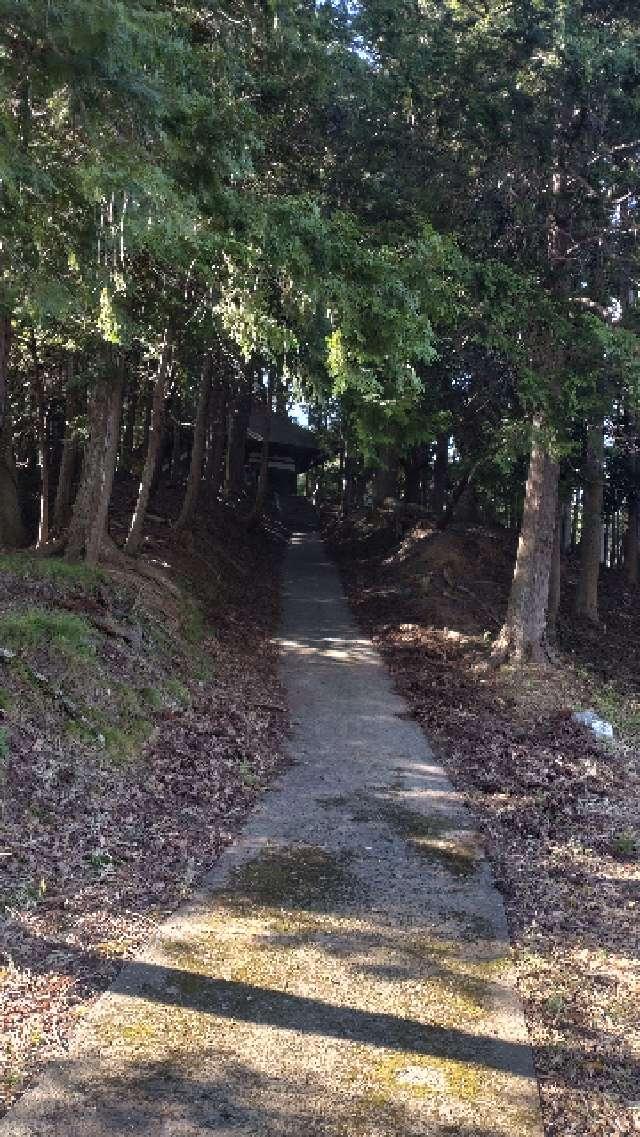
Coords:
pixel 139 724
pixel 558 810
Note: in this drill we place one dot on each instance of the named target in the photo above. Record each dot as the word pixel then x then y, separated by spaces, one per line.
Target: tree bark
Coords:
pixel 523 636
pixel 88 527
pixel 189 505
pixel 12 531
pixel 134 537
pixel 586 599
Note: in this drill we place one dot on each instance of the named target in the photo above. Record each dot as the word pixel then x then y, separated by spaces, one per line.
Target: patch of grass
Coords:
pixel 59 571
pixel 302 875
pixel 4 745
pixel 36 627
pixel 624 846
pixel 192 623
pixel 614 703
pixel 152 697
pixel 124 743
pixel 177 692
pixel 122 740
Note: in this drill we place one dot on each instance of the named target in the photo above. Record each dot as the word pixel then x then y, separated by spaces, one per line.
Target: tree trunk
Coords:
pixel 189 505
pixel 565 525
pixel 214 472
pixel 555 575
pixel 70 455
pixel 89 519
pixel 440 475
pixel 12 531
pixel 134 537
pixel 263 478
pixel 523 636
pixel 41 436
pixel 414 465
pixel 237 442
pixel 586 599
pixel 128 433
pixel 385 479
pixel 175 447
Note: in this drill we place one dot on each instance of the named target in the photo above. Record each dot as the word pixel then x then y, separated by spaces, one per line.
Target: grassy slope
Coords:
pixel 138 724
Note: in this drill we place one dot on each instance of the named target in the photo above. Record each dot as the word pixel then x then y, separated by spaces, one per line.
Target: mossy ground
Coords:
pixel 68 677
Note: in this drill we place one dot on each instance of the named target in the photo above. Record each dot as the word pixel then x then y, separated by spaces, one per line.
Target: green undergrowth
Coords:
pixel 57 631
pixel 99 678
pixel 29 567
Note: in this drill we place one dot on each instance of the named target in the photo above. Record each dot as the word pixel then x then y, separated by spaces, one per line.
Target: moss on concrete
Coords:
pixel 305 876
pixel 434 837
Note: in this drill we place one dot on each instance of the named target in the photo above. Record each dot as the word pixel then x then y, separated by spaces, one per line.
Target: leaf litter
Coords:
pixel 558 810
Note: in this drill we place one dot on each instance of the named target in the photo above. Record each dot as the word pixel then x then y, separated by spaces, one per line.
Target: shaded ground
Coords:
pixel 128 765
pixel 559 812
pixel 346 972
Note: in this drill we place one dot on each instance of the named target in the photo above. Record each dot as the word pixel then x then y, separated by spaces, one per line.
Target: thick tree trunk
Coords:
pixel 586 599
pixel 88 527
pixel 237 442
pixel 523 636
pixel 440 475
pixel 134 537
pixel 190 503
pixel 12 531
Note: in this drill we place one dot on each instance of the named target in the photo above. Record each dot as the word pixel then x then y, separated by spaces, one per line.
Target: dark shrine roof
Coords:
pixel 284 432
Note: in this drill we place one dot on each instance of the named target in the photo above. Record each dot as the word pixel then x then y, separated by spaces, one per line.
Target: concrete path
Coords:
pixel 346 972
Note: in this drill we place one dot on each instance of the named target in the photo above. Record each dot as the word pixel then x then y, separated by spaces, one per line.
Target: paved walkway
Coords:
pixel 346 971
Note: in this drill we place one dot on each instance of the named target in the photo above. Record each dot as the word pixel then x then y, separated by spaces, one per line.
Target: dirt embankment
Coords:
pixel 559 811
pixel 138 724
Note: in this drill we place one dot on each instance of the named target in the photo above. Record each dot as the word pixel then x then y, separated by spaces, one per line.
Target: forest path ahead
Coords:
pixel 345 972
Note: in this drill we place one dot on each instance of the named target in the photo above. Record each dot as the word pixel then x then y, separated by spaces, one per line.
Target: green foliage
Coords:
pixel 37 628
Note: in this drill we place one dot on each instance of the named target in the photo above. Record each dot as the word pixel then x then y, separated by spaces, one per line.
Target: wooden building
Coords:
pixel 293 449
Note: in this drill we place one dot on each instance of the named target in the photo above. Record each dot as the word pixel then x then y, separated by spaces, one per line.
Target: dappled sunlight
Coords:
pixel 332 648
